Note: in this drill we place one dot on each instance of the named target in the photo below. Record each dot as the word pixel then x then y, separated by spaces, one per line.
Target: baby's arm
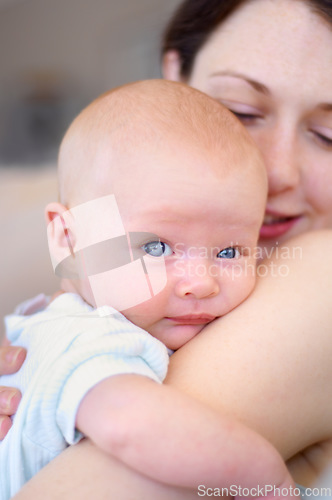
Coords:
pixel 174 439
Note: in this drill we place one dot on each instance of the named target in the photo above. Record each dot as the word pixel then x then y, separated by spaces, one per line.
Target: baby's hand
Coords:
pixel 11 359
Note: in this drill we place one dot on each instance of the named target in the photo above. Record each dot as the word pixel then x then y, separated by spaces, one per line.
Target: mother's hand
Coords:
pixel 11 359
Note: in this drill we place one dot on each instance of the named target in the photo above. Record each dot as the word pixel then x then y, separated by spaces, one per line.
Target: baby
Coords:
pixel 162 195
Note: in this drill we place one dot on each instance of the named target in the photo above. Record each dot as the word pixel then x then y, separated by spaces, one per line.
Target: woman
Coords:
pixel 268 362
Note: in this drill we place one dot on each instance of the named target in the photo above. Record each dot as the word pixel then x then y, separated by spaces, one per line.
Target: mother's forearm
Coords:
pixel 268 362
pixel 83 471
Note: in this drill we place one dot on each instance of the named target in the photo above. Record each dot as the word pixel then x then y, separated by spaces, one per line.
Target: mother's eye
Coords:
pixel 323 139
pixel 245 117
pixel 246 113
pixel 157 249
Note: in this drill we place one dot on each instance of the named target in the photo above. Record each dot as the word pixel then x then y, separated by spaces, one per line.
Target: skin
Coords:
pixel 284 412
pixel 287 185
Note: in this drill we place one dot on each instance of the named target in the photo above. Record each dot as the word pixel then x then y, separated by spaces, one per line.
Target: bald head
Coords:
pixel 144 116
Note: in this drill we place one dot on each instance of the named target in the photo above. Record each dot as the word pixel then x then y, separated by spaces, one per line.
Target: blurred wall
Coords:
pixel 57 55
pixel 97 43
pixel 25 265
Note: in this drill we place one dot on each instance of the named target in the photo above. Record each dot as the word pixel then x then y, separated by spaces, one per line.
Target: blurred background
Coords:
pixel 55 57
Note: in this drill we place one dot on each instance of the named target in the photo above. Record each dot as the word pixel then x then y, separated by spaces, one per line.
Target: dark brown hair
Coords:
pixel 195 20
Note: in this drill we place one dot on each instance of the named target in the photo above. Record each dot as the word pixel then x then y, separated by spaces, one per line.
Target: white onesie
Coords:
pixel 71 347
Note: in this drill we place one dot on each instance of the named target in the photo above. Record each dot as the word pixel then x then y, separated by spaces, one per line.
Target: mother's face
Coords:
pixel 271 64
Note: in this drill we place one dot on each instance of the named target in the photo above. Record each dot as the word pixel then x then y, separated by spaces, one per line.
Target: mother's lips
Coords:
pixel 275 225
pixel 274 219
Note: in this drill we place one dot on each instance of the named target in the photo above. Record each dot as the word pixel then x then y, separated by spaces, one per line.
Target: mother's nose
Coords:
pixel 282 158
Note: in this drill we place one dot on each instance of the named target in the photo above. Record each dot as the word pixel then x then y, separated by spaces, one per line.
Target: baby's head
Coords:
pixel 162 194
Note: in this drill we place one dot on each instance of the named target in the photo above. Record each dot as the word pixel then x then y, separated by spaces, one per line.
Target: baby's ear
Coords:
pixel 171 66
pixel 60 234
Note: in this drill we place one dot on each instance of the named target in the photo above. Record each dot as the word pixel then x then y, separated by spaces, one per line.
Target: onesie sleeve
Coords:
pixel 88 364
pixel 71 348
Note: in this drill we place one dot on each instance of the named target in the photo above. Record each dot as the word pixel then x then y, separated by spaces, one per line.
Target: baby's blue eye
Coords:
pixel 228 253
pixel 157 249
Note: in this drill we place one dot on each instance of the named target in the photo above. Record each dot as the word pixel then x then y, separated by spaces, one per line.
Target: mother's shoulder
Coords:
pixel 312 238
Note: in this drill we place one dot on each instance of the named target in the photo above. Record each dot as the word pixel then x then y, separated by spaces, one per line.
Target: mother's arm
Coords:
pixel 267 363
pixel 84 471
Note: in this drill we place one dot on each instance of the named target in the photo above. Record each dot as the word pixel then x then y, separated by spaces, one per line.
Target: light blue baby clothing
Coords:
pixel 71 347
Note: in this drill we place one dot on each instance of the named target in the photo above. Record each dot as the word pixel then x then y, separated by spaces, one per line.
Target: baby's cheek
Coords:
pixel 147 313
pixel 243 283
pixel 138 315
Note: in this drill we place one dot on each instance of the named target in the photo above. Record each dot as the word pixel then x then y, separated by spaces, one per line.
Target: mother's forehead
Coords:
pixel 295 37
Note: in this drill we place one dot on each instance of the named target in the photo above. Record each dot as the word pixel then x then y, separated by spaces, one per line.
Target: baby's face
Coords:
pixel 196 223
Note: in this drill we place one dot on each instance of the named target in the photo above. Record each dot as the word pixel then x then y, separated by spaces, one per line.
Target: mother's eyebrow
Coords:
pixel 260 87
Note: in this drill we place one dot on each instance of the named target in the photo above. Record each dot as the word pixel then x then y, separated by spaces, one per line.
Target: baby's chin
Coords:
pixel 175 336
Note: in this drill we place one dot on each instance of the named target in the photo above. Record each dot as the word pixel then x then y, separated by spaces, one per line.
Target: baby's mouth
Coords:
pixel 192 319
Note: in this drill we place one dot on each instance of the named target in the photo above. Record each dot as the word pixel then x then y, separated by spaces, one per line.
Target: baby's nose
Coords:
pixel 198 281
